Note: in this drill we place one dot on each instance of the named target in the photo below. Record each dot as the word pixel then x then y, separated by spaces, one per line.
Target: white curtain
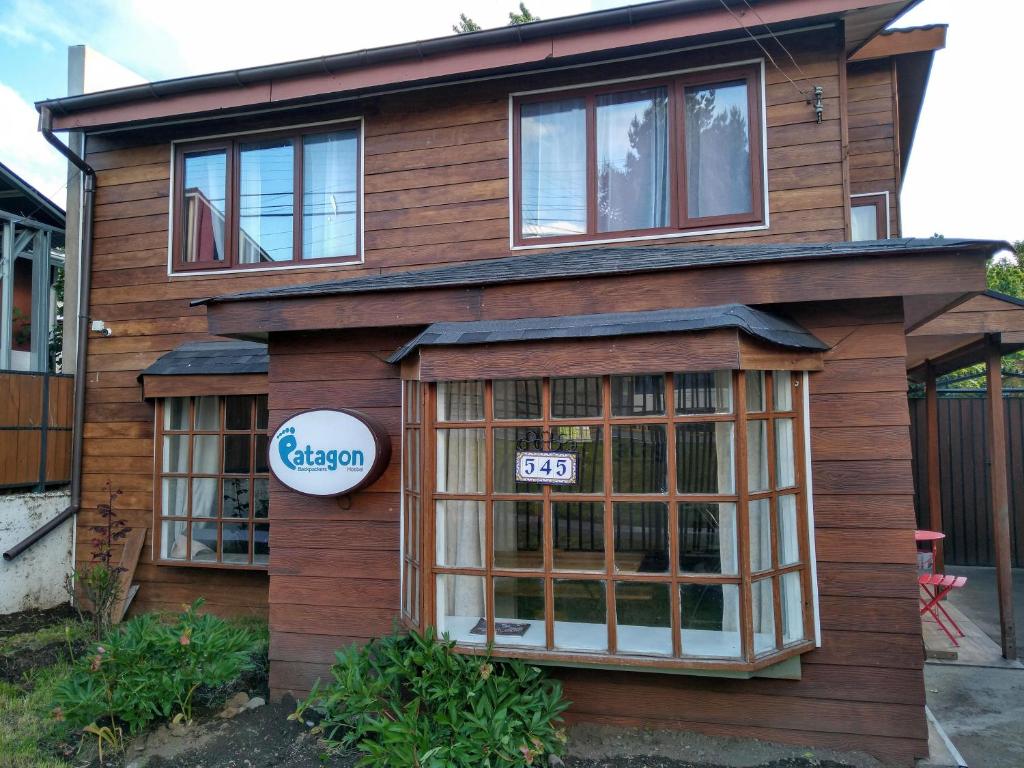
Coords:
pixel 728 543
pixel 329 195
pixel 553 174
pixel 461 535
pixel 205 492
pixel 717 150
pixel 792 608
pixel 784 458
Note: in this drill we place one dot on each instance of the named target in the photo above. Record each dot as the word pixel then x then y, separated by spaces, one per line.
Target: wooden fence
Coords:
pixel 964 473
pixel 35 429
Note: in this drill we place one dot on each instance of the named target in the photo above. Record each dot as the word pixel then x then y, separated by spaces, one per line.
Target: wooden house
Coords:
pixel 624 298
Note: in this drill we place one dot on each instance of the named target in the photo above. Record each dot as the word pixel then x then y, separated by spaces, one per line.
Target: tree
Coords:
pixel 1007 275
pixel 466 24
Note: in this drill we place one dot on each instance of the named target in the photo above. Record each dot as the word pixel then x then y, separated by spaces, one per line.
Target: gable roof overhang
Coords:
pixel 510 50
pixel 22 200
pixel 913 51
pixel 929 275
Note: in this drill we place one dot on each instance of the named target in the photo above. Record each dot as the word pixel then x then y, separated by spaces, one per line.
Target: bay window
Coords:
pixel 268 199
pixel 681 542
pixel 212 497
pixel 635 159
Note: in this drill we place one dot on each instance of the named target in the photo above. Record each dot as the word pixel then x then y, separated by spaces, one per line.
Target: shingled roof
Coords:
pixel 204 358
pixel 589 262
pixel 759 324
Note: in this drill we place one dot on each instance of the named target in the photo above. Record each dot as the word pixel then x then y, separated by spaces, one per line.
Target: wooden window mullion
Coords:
pixel 548 521
pixel 487 554
pixel 609 515
pixel 674 600
pixel 743 514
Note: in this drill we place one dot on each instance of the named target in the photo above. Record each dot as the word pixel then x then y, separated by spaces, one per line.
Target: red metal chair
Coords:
pixel 937 586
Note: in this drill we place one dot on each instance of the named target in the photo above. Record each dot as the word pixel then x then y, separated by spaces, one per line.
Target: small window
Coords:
pixel 869 217
pixel 213 496
pixel 268 200
pixel 675 153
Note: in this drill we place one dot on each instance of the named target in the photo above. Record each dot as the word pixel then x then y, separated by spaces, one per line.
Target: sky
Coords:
pixel 963 180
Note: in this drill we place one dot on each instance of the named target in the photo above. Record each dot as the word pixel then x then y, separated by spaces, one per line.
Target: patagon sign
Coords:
pixel 328 452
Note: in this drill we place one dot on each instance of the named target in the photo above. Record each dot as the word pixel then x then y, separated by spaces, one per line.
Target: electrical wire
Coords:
pixel 782 45
pixel 764 50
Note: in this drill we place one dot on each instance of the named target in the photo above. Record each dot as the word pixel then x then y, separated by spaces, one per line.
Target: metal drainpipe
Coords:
pixel 85 274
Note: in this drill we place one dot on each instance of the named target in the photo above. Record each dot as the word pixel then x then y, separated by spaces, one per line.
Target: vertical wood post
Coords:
pixel 999 495
pixel 931 410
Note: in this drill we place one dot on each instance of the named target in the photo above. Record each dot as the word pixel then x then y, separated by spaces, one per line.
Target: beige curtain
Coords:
pixel 725 458
pixel 461 534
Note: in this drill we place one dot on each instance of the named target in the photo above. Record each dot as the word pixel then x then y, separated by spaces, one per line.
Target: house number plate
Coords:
pixel 551 467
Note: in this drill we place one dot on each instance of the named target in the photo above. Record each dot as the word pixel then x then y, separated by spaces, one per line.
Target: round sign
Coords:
pixel 329 452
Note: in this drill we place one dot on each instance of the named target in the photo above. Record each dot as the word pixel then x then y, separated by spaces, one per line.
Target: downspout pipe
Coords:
pixel 82 338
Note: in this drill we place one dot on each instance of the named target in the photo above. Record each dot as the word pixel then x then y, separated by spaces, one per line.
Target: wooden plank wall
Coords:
pixel 436 178
pixel 21 419
pixel 334 571
pixel 872 105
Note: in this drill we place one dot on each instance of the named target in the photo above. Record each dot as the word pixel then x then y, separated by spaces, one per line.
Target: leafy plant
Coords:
pixel 411 700
pixel 145 669
pixel 97 584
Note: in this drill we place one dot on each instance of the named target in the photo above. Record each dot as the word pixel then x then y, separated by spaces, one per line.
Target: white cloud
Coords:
pixel 25 151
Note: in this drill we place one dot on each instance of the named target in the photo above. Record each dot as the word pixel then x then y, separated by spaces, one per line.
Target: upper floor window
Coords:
pixel 869 216
pixel 636 159
pixel 261 200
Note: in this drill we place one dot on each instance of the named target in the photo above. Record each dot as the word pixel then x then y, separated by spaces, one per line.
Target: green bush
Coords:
pixel 411 700
pixel 145 669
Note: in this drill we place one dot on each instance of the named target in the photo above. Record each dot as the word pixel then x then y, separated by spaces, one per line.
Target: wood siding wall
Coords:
pixel 334 571
pixel 873 105
pixel 436 191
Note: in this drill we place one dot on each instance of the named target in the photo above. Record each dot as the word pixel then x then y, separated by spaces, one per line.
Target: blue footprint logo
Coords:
pixel 286 444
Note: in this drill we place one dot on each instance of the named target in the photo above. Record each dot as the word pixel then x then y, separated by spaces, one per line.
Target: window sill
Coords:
pixel 525 245
pixel 212 566
pixel 354 261
pixel 784 664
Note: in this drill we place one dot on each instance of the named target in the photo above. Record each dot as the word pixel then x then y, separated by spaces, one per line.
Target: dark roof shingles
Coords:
pixel 204 358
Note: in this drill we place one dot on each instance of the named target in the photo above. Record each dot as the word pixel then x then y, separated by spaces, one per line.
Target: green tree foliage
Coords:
pixel 466 24
pixel 1007 275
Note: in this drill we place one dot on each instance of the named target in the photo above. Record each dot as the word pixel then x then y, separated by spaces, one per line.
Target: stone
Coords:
pixel 255 702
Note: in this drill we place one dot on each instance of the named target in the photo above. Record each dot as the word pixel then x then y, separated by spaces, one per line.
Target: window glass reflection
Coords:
pixel 718 162
pixel 553 152
pixel 204 206
pixel 641 537
pixel 704 457
pixel 266 201
pixel 707 538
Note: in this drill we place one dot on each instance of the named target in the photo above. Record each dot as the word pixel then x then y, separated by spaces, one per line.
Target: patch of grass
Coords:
pixel 30 737
pixel 69 631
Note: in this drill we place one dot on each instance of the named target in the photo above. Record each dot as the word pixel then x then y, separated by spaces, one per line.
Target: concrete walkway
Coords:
pixel 981 708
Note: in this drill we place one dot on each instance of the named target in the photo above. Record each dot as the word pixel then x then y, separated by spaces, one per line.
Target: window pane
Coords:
pixel 760 535
pixel 238 412
pixel 704 457
pixel 864 222
pixel 173 540
pixel 519 534
pixel 789 543
pixel 175 458
pixel 203 209
pixel 174 497
pixel 763 609
pixel 757 456
pixel 703 392
pixel 460 460
pixel 707 538
pixel 236 497
pixel 718 150
pixel 207 413
pixel 638 395
pixel 236 454
pixel 710 620
pixel 506 443
pixel 261 544
pixel 578 398
pixel 204 542
pixel 641 537
pixel 588 445
pixel 519 612
pixel 643 618
pixel 260 460
pixel 632 160
pixel 266 201
pixel 785 461
pixel 553 157
pixel 460 401
pixel 262 412
pixel 578 535
pixel 460 608
pixel 235 543
pixel 517 399
pixel 205 497
pixel 581 615
pixel 792 608
pixel 639 459
pixel 459 534
pixel 206 454
pixel 329 171
pixel 755 391
pixel 782 383
pixel 261 497
pixel 176 413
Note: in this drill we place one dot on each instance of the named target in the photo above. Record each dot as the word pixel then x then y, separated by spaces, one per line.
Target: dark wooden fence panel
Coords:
pixel 35 429
pixel 964 473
